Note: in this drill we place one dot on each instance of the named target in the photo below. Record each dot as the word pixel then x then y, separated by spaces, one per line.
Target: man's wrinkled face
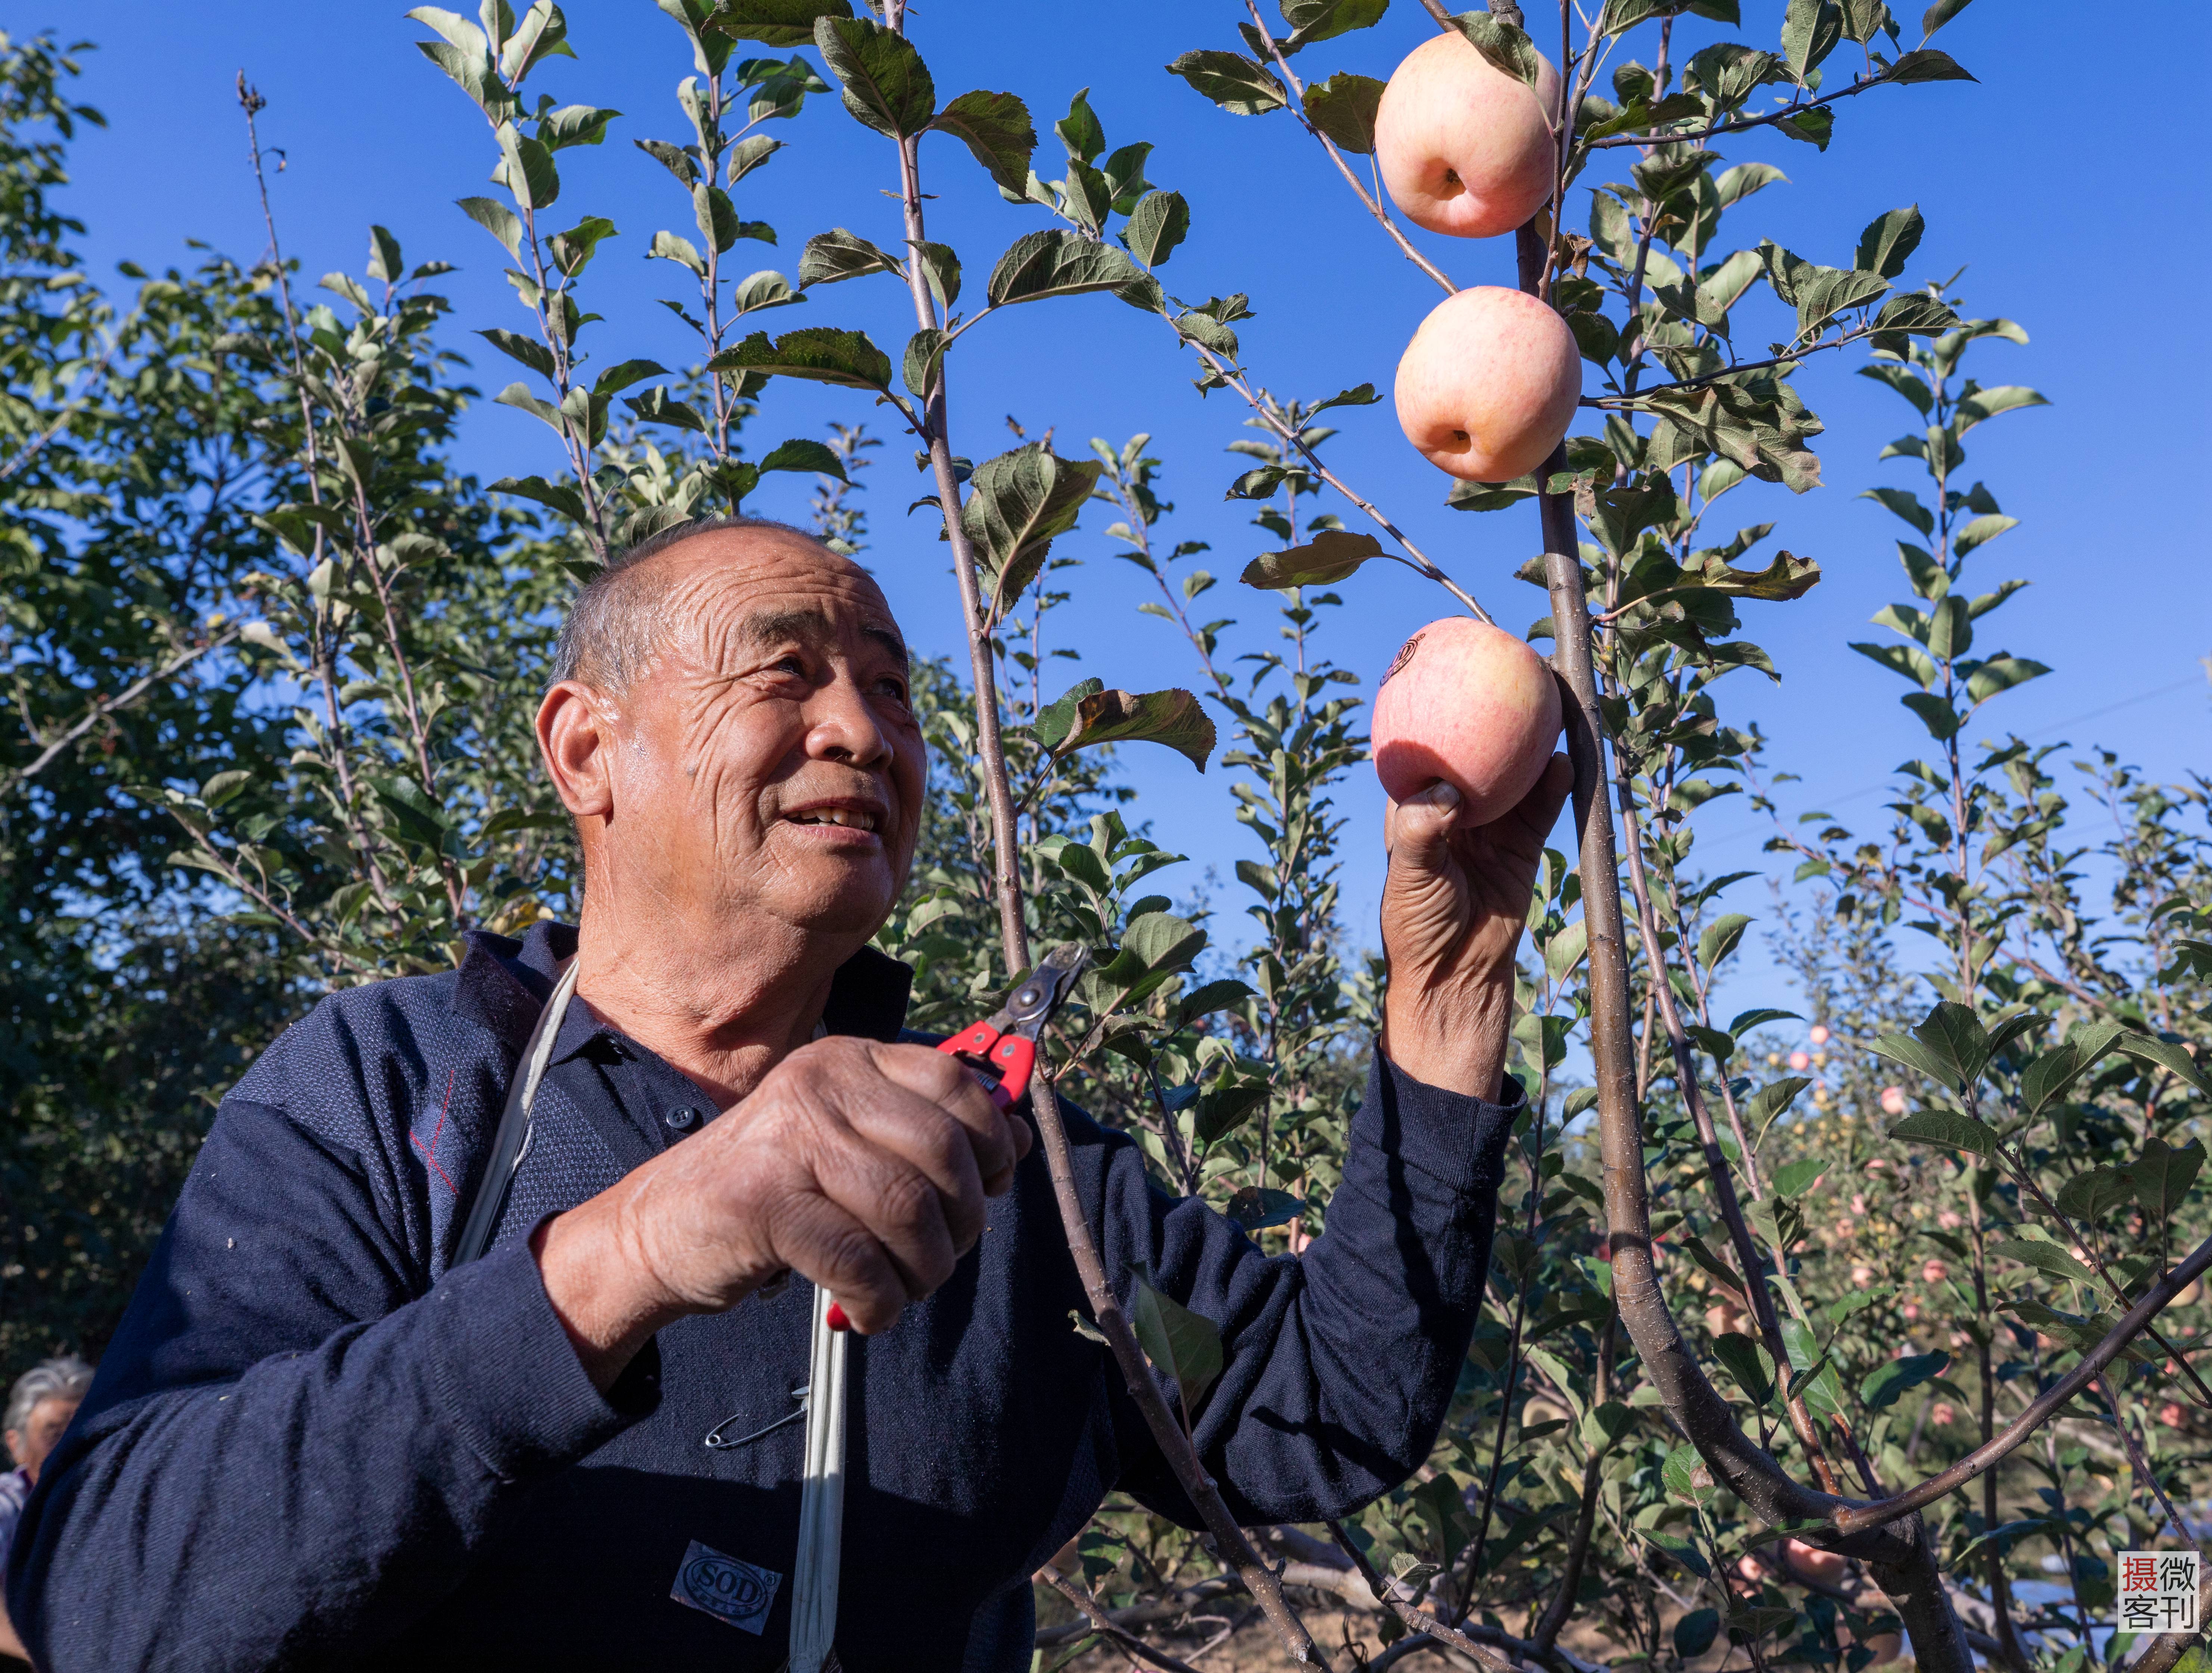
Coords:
pixel 29 1445
pixel 770 759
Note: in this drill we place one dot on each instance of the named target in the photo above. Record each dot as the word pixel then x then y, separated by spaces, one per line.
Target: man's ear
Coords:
pixel 576 736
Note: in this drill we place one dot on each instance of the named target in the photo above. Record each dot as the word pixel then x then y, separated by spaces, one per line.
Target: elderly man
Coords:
pixel 39 1407
pixel 319 1441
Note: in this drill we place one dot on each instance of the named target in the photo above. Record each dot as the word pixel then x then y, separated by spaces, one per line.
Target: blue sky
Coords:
pixel 2059 180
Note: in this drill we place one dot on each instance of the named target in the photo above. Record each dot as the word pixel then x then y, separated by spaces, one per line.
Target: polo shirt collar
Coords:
pixel 503 984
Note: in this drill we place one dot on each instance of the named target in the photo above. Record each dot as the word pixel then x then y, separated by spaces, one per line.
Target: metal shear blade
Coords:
pixel 1005 1044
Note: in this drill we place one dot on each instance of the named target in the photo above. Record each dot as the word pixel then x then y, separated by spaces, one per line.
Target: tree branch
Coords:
pixel 1381 214
pixel 1859 1518
pixel 103 708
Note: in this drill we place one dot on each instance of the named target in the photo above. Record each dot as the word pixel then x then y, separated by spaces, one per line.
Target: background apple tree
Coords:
pixel 1801 1328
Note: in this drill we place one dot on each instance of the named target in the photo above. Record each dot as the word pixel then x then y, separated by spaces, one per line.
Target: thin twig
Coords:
pixel 1095 1613
pixel 1366 199
pixel 105 707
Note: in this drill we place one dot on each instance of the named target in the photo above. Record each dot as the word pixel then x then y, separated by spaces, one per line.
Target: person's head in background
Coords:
pixel 39 1406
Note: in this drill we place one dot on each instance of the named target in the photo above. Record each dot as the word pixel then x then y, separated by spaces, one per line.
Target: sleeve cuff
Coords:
pixel 509 1379
pixel 1454 1138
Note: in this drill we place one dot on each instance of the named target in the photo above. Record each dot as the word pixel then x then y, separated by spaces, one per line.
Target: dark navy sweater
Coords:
pixel 312 1444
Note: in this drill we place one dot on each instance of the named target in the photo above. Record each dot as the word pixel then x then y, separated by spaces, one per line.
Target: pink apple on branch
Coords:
pixel 1489 383
pixel 1463 147
pixel 1470 704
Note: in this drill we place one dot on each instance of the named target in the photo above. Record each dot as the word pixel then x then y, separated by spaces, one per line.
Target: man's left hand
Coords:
pixel 1452 909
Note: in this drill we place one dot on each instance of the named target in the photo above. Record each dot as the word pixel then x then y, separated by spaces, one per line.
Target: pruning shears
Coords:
pixel 1000 1052
pixel 1001 1049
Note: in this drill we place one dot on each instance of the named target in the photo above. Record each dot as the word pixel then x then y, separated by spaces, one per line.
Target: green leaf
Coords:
pixel 799 454
pixel 1051 726
pixel 2047 1077
pixel 1695 1632
pixel 1211 997
pixel 1720 939
pixel 1751 1366
pixel 384 259
pixel 1333 555
pixel 1893 1378
pixel 1160 220
pixel 534 355
pixel 656 406
pixel 764 289
pixel 2165 1055
pixel 1344 107
pixel 574 125
pixel 746 155
pixel 526 169
pixel 1172 717
pixel 839 254
pixel 1939 14
pixel 418 820
pixel 1793 1179
pixel 2001 673
pixel 2043 1257
pixel 1680 1547
pixel 2161 1176
pixel 997 129
pixel 1766 1105
pixel 1889 240
pixel 1017 503
pixel 1057 262
pixel 1984 403
pixel 572 250
pixel 820 354
pixel 1223 1108
pixel 1324 19
pixel 1507 46
pixel 1161 942
pixel 2093 1193
pixel 1927 64
pixel 1810 30
pixel 495 218
pixel 558 496
pixel 1232 82
pixel 1948 1128
pixel 620 376
pixel 1745 1020
pixel 774 22
pixel 1602 1427
pixel 885 84
pixel 1184 1346
pixel 669 246
pixel 923 364
pixel 1255 1208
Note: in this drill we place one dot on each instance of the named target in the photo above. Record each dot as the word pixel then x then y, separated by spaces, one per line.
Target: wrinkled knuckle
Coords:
pixel 908 1201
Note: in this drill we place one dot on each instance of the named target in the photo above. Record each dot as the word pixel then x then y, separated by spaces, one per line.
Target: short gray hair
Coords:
pixel 64 1378
pixel 616 626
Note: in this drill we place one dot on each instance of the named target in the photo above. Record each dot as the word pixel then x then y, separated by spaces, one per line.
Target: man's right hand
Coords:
pixel 862 1166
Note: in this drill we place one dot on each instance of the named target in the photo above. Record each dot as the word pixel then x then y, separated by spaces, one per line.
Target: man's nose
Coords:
pixel 841 726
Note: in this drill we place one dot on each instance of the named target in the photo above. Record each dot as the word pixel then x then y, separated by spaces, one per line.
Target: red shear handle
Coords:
pixel 1013 1055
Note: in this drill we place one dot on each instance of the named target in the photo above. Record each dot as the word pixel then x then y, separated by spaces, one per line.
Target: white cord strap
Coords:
pixel 512 1140
pixel 820 1502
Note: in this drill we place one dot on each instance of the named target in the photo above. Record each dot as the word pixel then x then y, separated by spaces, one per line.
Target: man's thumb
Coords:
pixel 1423 825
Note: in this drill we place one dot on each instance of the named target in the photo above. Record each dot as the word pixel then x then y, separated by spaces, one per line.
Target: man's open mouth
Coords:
pixel 854 819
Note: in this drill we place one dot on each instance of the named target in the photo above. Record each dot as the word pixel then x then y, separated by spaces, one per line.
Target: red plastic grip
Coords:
pixel 835 1318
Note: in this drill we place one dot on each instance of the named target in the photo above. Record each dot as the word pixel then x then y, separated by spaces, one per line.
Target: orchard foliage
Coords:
pixel 272 658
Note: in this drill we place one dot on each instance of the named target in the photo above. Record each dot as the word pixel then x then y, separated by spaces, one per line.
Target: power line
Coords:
pixel 1710 842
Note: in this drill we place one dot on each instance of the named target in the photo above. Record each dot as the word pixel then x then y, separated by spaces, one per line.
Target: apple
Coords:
pixel 1810 1561
pixel 1463 147
pixel 1469 704
pixel 1489 383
